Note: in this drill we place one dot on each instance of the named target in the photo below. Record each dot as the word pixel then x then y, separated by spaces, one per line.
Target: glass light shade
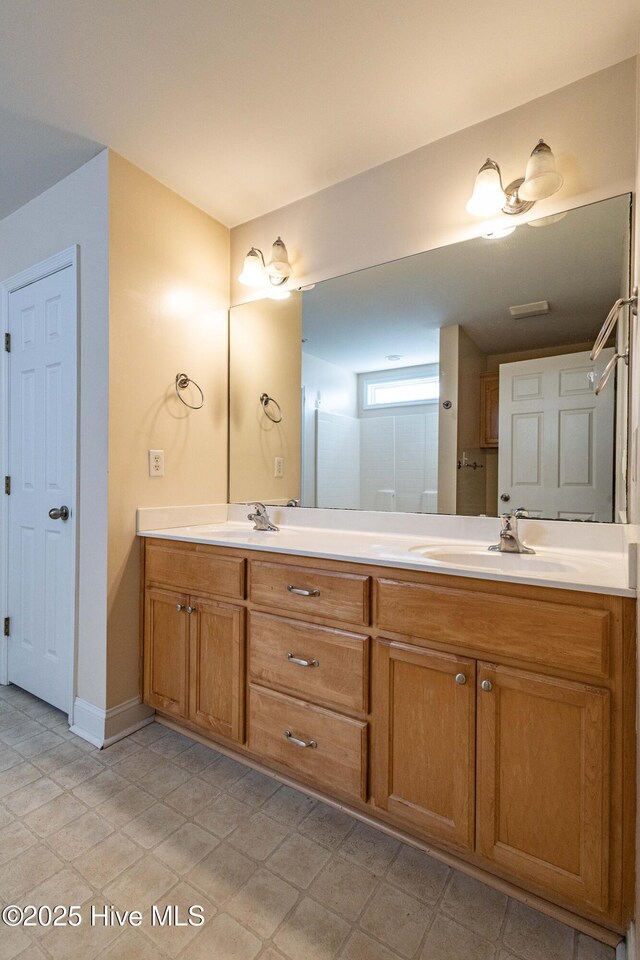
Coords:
pixel 277 293
pixel 252 272
pixel 541 179
pixel 279 269
pixel 488 197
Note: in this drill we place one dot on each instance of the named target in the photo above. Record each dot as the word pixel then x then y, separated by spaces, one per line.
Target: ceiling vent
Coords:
pixel 524 310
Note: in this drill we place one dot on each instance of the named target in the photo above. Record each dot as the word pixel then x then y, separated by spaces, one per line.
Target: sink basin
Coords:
pixel 480 558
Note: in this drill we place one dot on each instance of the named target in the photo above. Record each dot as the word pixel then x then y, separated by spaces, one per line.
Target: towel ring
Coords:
pixel 182 382
pixel 265 400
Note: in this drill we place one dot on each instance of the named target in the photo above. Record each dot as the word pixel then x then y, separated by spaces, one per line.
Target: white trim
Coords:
pixel 45 268
pixel 104 727
pixel 627 949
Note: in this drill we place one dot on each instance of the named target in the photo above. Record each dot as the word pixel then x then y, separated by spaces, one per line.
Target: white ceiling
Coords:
pixel 243 106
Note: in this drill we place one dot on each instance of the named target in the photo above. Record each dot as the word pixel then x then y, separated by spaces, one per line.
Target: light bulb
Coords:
pixel 541 179
pixel 253 271
pixel 488 197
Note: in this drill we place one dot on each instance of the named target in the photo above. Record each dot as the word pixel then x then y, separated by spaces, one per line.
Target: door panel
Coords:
pixel 425 723
pixel 543 782
pixel 42 466
pixel 217 643
pixel 166 652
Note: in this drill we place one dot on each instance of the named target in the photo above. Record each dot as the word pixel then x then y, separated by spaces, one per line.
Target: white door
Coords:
pixel 556 442
pixel 42 468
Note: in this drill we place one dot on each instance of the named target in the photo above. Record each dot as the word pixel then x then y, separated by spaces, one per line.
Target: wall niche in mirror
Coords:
pixel 453 381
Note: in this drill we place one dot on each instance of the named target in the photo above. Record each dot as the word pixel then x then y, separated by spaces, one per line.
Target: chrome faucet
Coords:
pixel 261 518
pixel 509 540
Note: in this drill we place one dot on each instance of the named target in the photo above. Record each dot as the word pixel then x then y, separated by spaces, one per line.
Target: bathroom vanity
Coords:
pixel 488 715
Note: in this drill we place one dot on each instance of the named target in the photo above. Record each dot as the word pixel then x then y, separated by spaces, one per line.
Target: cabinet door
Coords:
pixel 489 409
pixel 166 652
pixel 217 680
pixel 543 782
pixel 424 717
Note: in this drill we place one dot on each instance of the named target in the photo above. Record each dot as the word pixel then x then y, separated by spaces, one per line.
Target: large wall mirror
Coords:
pixel 453 381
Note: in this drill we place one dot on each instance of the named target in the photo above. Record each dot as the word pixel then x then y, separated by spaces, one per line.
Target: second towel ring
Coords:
pixel 182 382
pixel 265 400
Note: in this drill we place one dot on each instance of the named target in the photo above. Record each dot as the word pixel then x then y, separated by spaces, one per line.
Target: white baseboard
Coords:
pixel 627 950
pixel 104 727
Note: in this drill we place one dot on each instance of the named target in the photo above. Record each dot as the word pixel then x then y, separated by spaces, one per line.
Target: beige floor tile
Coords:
pixel 26 870
pixel 326 825
pixel 83 942
pixel 589 949
pixel 171 939
pixel 119 751
pixel 57 758
pixel 475 905
pixel 13 942
pixel 76 772
pixel 5 816
pixel 258 837
pixel 311 933
pixel 369 848
pixel 34 795
pixel 154 825
pixel 16 777
pixel 270 953
pixel 419 874
pixel 137 766
pixel 191 796
pixel 395 918
pixel 31 953
pixel 288 806
pixel 14 839
pixel 65 887
pixel 106 785
pixel 221 873
pixel 223 938
pixel 54 815
pixel 148 734
pixel 78 837
pixel 448 940
pixel 173 743
pixel 39 744
pixel 361 947
pixel 223 815
pixel 186 847
pixel 125 806
pixel 532 936
pixel 9 758
pixel 163 779
pixel 254 788
pixel 224 773
pixel 196 758
pixel 298 859
pixel 344 887
pixel 263 903
pixel 132 945
pixel 22 730
pixel 104 862
pixel 141 885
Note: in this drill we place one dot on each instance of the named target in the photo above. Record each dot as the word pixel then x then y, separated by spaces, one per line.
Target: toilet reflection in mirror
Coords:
pixel 454 381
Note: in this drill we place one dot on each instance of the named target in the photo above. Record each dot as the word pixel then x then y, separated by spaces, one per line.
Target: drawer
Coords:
pixel 337 762
pixel 338 671
pixel 195 571
pixel 555 634
pixel 317 593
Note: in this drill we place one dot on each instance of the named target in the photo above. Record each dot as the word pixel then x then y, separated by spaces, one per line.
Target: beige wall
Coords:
pixel 417 202
pixel 265 357
pixel 75 211
pixel 168 279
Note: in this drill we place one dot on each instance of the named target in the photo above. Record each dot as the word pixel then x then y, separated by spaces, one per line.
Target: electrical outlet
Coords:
pixel 156 463
pixel 278 467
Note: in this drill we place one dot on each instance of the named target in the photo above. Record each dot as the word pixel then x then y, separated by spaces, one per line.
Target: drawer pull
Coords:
pixel 179 607
pixel 299 743
pixel 191 609
pixel 299 592
pixel 303 663
pixel 487 686
pixel 461 679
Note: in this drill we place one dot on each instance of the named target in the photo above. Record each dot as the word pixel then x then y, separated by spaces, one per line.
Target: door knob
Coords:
pixel 59 513
pixel 505 497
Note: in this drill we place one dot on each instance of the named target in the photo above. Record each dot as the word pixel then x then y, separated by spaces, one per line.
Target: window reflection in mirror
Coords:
pixel 416 389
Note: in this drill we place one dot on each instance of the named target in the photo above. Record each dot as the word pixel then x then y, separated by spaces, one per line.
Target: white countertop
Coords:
pixel 589 569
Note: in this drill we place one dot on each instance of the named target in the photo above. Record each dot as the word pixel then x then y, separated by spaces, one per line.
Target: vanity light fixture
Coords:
pixel 541 180
pixel 256 272
pixel 498 233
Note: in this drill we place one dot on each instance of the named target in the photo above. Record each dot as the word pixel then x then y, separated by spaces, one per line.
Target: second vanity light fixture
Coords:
pixel 256 272
pixel 541 180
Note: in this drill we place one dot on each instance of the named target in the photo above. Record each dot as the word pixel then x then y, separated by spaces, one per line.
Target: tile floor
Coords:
pixel 159 819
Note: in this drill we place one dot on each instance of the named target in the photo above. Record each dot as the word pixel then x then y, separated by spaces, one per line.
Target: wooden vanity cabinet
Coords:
pixel 166 652
pixel 489 409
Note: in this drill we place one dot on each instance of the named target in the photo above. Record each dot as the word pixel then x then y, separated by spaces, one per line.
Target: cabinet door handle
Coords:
pixel 301 661
pixel 299 592
pixel 191 609
pixel 179 607
pixel 461 679
pixel 487 686
pixel 299 743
